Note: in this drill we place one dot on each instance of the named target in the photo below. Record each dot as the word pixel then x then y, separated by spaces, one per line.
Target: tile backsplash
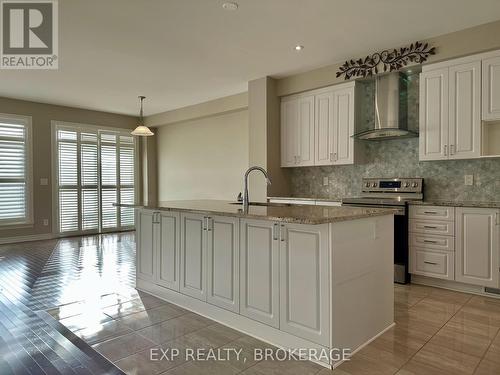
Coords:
pixel 443 180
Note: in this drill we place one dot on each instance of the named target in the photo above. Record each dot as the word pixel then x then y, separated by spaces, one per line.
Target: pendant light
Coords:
pixel 142 130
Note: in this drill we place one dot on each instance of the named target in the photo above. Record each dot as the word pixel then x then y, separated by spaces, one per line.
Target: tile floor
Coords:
pixel 63 302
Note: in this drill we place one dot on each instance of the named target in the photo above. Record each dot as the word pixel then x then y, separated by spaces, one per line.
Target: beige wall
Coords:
pixel 203 158
pixel 461 43
pixel 42 115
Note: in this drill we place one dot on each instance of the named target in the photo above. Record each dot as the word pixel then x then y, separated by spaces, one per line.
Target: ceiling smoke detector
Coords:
pixel 230 6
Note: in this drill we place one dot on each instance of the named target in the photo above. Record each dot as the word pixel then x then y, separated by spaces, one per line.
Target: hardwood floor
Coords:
pixel 70 307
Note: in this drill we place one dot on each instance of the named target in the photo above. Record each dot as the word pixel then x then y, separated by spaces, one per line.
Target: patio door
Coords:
pixel 94 169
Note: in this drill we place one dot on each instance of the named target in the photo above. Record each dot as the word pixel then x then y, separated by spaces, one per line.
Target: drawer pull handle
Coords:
pixel 430 212
pixel 430 241
pixel 430 227
pixel 434 264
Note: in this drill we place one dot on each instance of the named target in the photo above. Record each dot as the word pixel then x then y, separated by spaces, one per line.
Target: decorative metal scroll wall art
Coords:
pixel 391 60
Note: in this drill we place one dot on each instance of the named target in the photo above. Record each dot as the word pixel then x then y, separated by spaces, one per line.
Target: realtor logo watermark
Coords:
pixel 29 37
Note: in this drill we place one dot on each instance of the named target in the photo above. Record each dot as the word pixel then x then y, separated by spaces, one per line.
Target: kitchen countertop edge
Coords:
pixel 363 213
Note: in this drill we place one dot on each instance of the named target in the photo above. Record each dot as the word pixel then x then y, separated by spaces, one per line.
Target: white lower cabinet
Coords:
pixel 223 262
pixel 463 246
pixel 193 262
pixel 285 277
pixel 477 246
pixel 271 272
pixel 168 250
pixel 304 282
pixel 259 271
pixel 432 263
pixel 146 234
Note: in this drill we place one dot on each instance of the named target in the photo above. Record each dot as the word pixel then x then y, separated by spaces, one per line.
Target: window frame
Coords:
pixel 80 127
pixel 28 220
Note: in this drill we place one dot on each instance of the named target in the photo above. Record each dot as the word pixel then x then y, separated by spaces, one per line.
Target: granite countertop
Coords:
pixel 307 199
pixel 457 203
pixel 271 211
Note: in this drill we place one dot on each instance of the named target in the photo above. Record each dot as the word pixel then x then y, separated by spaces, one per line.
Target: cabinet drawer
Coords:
pixel 427 241
pixel 432 263
pixel 432 213
pixel 445 228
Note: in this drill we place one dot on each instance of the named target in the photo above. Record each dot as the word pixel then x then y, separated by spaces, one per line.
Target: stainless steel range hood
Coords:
pixel 388 122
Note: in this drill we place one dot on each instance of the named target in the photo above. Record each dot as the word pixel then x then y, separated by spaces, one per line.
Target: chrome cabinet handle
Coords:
pixel 275 231
pixel 429 241
pixel 210 224
pixel 335 158
pixel 282 232
pixel 430 212
pixel 430 227
pixel 205 223
pixel 452 149
pixel 445 150
pixel 434 264
pixel 331 156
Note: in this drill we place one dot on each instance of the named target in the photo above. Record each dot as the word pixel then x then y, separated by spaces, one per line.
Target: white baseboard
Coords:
pixel 451 285
pixel 34 237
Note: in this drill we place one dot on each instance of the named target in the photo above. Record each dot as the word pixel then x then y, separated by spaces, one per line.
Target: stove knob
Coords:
pixel 374 184
pixel 415 184
pixel 407 184
pixel 367 184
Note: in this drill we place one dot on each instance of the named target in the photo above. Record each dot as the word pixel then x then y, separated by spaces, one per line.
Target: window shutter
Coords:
pixel 13 172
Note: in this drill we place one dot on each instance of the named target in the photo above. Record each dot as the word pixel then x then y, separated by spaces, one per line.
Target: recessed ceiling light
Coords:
pixel 230 6
pixel 298 47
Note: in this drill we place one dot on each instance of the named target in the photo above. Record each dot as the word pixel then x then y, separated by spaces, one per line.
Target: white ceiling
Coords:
pixel 182 52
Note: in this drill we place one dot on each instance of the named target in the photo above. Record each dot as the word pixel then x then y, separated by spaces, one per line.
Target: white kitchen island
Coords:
pixel 298 277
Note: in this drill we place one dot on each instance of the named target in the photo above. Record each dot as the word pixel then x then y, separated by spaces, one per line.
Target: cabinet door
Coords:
pixel 304 282
pixel 306 131
pixel 289 132
pixel 259 271
pixel 193 256
pixel 146 249
pixel 168 250
pixel 223 262
pixel 477 246
pixel 491 89
pixel 343 125
pixel 324 134
pixel 465 111
pixel 433 122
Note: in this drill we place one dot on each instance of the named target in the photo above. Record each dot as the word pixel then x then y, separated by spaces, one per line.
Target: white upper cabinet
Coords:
pixel 343 125
pixel 491 88
pixel 433 140
pixel 477 246
pixel 450 118
pixel 297 130
pixel 459 100
pixel 289 132
pixel 465 111
pixel 317 127
pixel 324 129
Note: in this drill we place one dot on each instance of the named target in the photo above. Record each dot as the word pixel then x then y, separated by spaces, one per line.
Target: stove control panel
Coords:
pixel 401 185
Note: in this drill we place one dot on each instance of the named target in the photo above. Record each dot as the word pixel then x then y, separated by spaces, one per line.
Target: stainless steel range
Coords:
pixel 394 193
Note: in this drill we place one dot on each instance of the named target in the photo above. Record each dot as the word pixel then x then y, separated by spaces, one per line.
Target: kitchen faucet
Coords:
pixel 245 193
